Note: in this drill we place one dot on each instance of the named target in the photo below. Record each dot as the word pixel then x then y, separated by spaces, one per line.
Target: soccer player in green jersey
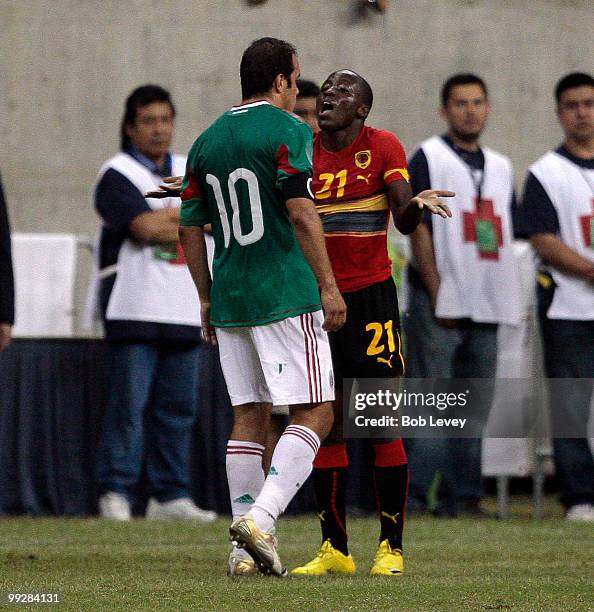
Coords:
pixel 248 176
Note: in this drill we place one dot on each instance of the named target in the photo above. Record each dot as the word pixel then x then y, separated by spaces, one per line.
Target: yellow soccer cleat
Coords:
pixel 388 561
pixel 327 561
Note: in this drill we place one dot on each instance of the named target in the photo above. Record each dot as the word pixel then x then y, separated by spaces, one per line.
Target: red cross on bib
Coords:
pixel 587 222
pixel 172 253
pixel 483 226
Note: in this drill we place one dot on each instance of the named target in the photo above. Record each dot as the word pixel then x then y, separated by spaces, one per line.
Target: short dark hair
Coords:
pixel 140 97
pixel 466 78
pixel 569 81
pixel 261 62
pixel 307 89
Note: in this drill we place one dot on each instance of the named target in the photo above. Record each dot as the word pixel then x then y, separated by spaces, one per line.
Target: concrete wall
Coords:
pixel 66 67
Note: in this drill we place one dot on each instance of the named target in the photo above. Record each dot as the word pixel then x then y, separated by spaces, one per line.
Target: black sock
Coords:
pixel 390 485
pixel 330 486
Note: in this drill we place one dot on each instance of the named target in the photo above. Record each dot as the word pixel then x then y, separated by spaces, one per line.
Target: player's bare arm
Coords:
pixel 555 252
pixel 408 210
pixel 194 245
pixel 308 229
pixel 156 226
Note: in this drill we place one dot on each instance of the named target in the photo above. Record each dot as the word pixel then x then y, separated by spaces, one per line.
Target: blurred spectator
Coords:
pixel 363 6
pixel 463 283
pixel 147 300
pixel 557 213
pixel 6 276
pixel 306 103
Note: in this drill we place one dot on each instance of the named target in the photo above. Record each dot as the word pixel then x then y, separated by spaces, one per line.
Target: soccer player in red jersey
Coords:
pixel 360 178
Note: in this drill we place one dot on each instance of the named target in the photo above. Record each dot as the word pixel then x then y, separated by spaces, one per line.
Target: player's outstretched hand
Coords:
pixel 429 199
pixel 170 187
pixel 334 309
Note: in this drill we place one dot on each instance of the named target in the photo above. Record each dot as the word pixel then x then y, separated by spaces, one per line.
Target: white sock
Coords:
pixel 291 465
pixel 244 474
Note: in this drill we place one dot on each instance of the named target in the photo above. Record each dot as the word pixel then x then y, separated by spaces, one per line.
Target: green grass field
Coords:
pixel 518 564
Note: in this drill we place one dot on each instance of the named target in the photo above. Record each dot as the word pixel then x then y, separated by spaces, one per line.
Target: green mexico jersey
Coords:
pixel 234 181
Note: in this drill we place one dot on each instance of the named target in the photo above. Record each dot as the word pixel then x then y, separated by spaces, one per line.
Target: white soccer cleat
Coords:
pixel 241 563
pixel 114 506
pixel 182 508
pixel 580 512
pixel 261 546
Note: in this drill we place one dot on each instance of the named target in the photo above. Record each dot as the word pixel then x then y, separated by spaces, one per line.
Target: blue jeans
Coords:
pixel 469 351
pixel 158 381
pixel 569 353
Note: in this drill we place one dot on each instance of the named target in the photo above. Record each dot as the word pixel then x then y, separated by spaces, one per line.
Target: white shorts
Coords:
pixel 285 362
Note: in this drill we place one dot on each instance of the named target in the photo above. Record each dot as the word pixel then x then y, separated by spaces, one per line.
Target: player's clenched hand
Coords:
pixel 334 309
pixel 429 199
pixel 208 331
pixel 170 187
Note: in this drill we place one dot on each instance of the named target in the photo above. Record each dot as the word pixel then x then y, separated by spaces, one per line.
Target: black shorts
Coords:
pixel 368 345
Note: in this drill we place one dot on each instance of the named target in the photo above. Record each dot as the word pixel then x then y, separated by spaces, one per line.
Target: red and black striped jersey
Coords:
pixel 350 188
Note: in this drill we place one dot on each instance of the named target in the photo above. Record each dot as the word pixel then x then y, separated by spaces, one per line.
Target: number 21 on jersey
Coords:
pixel 326 189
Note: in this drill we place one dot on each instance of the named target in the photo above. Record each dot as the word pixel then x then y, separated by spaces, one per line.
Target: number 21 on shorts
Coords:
pixel 375 348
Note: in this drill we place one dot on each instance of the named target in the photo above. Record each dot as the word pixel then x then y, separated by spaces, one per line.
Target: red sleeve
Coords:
pixel 282 161
pixel 190 186
pixel 395 166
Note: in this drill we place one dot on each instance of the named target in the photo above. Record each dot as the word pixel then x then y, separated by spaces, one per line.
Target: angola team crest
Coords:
pixel 362 159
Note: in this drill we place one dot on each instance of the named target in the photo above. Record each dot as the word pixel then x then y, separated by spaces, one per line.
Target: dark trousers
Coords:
pixel 158 383
pixel 569 353
pixel 435 352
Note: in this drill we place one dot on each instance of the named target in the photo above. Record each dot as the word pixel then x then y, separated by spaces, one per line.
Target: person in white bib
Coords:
pixel 145 296
pixel 557 213
pixel 463 283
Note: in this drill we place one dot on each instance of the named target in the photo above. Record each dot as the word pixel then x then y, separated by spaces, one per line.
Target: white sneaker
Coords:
pixel 580 512
pixel 114 506
pixel 182 508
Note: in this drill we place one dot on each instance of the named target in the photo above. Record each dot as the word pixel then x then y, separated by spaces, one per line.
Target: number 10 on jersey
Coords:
pixel 257 230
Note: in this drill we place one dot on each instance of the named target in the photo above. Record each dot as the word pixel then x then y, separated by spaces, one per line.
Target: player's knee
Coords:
pixel 318 418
